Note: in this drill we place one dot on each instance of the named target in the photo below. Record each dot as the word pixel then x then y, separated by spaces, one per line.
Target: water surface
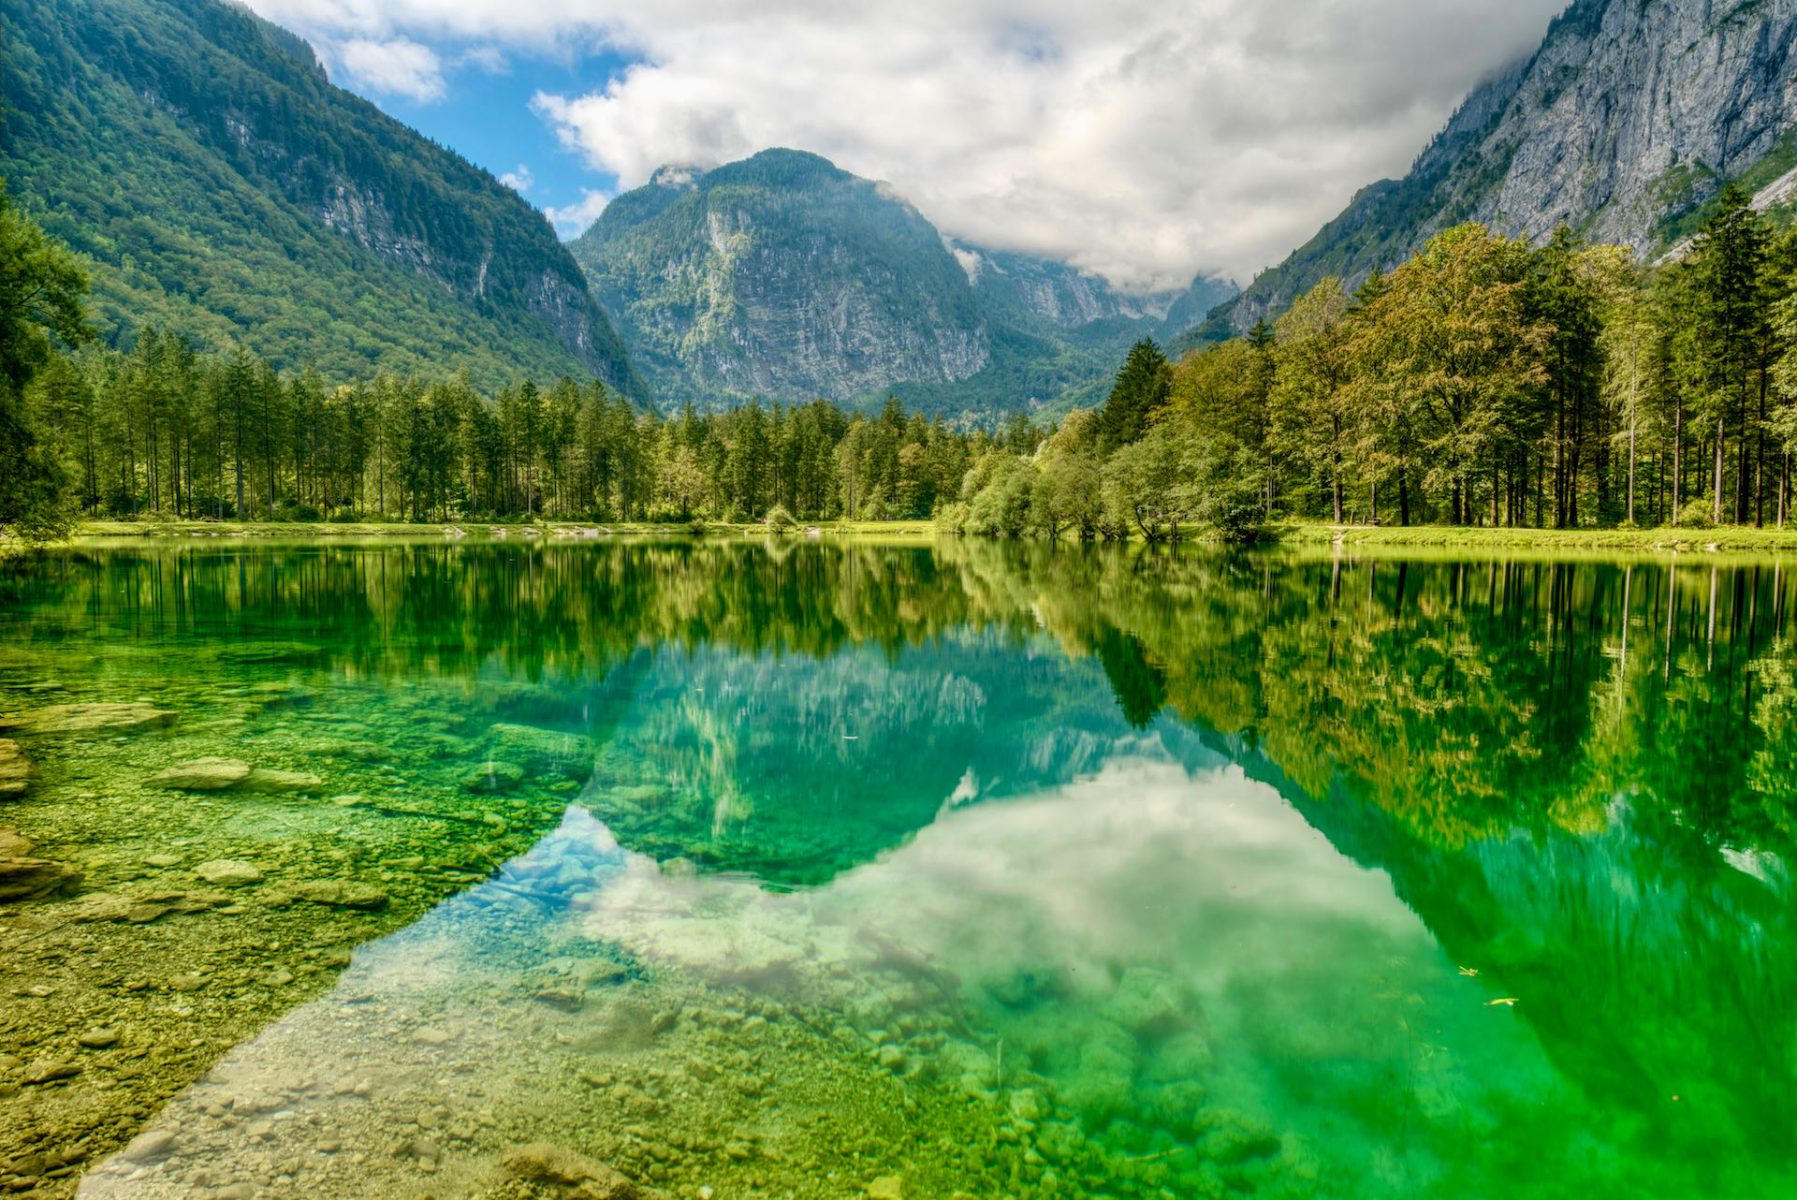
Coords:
pixel 823 870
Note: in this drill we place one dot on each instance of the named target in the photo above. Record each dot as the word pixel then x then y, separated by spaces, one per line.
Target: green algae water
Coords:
pixel 821 870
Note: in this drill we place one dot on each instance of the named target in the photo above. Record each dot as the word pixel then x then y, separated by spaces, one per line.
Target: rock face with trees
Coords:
pixel 1624 124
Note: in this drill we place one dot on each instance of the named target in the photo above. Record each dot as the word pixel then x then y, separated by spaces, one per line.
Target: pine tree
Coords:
pixel 1142 387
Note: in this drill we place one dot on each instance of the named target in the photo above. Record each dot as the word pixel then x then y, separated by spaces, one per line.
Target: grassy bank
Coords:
pixel 1727 539
pixel 1307 535
pixel 484 530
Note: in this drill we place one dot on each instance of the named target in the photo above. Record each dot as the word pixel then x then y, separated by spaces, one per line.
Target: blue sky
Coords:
pixel 485 114
pixel 1143 140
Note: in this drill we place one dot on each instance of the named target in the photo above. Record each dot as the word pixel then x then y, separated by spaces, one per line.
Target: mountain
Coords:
pixel 1624 124
pixel 223 187
pixel 783 276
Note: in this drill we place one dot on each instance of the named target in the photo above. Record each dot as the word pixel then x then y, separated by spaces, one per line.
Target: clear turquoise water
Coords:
pixel 970 869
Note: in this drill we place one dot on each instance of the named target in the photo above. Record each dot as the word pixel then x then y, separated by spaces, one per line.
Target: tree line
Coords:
pixel 1482 382
pixel 163 432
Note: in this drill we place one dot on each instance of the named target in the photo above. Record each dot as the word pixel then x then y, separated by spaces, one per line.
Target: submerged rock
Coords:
pixel 50 1071
pixel 15 768
pixel 88 718
pixel 33 878
pixel 204 775
pixel 151 1146
pixel 546 749
pixel 14 844
pixel 542 1163
pixel 338 893
pixel 257 653
pixel 264 780
pixel 492 777
pixel 228 872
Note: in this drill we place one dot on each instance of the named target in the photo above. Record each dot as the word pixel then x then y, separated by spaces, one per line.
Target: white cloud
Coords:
pixel 398 67
pixel 489 60
pixel 572 220
pixel 519 180
pixel 1143 139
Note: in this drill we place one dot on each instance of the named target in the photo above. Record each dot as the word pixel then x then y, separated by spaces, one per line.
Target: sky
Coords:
pixel 1144 140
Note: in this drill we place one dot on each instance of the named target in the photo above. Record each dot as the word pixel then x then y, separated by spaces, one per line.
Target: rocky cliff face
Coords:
pixel 786 278
pixel 1630 116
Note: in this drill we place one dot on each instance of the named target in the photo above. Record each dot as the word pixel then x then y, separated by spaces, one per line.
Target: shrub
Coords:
pixel 1698 513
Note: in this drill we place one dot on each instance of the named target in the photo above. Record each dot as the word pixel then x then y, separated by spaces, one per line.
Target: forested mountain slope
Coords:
pixel 785 277
pixel 1624 124
pixel 225 188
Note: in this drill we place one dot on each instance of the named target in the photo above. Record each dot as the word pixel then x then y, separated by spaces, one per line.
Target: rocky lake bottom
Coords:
pixel 310 905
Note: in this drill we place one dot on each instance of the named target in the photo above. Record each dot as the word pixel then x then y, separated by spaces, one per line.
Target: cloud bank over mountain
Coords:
pixel 1141 139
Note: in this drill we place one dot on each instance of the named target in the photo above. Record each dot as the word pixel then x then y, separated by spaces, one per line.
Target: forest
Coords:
pixel 1482 382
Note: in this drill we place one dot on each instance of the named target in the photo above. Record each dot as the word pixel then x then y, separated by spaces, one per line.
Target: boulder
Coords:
pixel 14 845
pixel 204 775
pixel 89 718
pixel 15 769
pixel 543 1163
pixel 34 878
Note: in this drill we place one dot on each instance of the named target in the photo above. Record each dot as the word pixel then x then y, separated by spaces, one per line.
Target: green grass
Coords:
pixel 485 530
pixel 1298 534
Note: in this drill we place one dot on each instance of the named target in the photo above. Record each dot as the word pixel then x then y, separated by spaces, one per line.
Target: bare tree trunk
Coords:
pixel 1716 516
pixel 1784 477
pixel 1678 457
pixel 1631 466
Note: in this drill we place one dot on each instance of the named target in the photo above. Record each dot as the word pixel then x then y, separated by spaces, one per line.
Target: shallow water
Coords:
pixel 813 870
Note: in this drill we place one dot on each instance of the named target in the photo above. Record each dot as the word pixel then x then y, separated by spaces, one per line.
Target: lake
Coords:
pixel 819 869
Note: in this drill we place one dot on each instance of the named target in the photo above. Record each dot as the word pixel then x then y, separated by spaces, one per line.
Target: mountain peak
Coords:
pixel 784 276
